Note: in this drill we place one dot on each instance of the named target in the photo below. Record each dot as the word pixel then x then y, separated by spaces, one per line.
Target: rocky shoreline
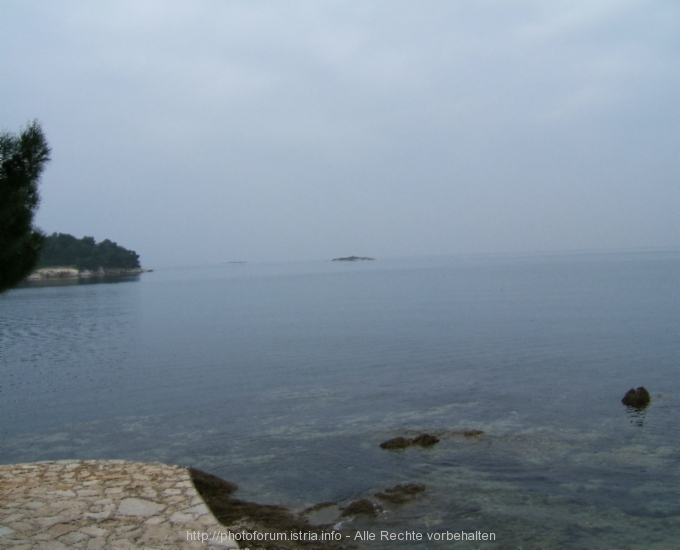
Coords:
pixel 46 273
pixel 93 504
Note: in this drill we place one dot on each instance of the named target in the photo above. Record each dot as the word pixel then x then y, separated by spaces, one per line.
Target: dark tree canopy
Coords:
pixel 23 157
pixel 61 249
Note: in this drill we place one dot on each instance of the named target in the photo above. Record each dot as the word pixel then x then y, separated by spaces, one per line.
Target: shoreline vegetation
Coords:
pixel 65 257
pixel 64 250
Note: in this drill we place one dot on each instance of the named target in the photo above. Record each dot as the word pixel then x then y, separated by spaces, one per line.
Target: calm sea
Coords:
pixel 284 378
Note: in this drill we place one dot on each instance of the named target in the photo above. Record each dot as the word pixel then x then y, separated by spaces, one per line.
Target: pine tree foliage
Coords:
pixel 61 249
pixel 23 158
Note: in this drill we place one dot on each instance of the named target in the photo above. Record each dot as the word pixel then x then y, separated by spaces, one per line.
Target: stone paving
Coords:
pixel 91 504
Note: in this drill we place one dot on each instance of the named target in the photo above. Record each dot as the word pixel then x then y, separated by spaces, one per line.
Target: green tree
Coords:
pixel 62 249
pixel 23 157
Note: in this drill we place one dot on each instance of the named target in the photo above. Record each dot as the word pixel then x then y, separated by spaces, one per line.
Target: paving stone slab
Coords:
pixel 96 504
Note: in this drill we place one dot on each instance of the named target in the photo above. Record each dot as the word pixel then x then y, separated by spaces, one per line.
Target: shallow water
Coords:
pixel 285 378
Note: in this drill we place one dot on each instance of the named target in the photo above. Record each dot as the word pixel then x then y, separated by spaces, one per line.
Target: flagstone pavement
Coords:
pixel 92 504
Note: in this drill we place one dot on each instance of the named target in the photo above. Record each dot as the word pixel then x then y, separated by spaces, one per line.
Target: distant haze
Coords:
pixel 208 131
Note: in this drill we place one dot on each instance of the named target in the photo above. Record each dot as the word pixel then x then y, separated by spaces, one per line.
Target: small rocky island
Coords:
pixel 65 256
pixel 637 398
pixel 352 259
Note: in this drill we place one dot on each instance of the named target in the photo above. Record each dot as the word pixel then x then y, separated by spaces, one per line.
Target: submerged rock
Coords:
pixel 473 433
pixel 323 514
pixel 399 494
pixel 250 516
pixel 359 507
pixel 317 507
pixel 395 443
pixel 425 440
pixel 637 398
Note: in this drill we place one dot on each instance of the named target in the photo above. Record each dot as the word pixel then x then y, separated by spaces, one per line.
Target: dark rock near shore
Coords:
pixel 361 507
pixel 638 398
pixel 317 507
pixel 399 494
pixel 251 517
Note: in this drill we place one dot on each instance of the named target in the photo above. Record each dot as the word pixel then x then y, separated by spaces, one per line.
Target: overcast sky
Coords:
pixel 207 131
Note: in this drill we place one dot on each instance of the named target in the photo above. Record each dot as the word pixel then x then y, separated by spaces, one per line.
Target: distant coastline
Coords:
pixel 72 273
pixel 351 259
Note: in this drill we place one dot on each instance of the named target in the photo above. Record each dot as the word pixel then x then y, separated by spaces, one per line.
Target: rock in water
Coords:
pixel 399 494
pixel 425 440
pixel 638 398
pixel 363 506
pixel 395 443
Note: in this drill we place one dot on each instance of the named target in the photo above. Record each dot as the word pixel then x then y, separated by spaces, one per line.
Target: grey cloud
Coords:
pixel 209 131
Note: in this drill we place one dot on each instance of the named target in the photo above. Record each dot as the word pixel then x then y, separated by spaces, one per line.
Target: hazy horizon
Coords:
pixel 209 132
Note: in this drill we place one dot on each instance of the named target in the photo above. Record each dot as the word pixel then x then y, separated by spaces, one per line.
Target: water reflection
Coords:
pixel 636 416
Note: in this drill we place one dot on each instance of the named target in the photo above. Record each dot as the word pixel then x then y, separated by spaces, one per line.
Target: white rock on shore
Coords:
pixel 70 272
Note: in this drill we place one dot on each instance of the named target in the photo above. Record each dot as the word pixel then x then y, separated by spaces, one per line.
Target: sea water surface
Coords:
pixel 285 378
